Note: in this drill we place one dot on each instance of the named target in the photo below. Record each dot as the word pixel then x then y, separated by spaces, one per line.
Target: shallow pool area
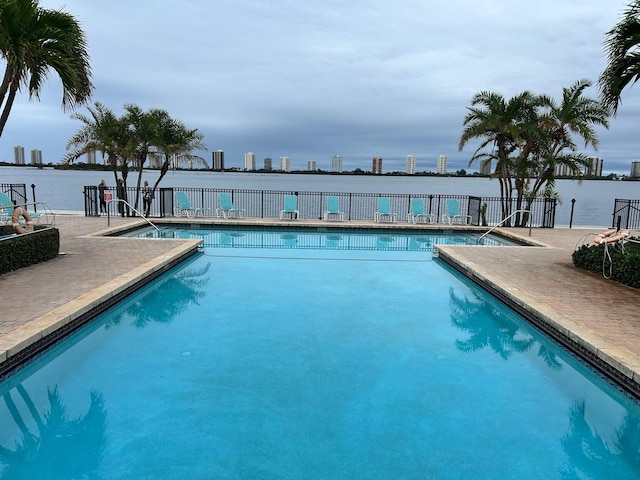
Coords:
pixel 255 361
pixel 322 238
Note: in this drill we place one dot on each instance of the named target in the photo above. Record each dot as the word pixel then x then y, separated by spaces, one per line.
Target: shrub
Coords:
pixel 624 266
pixel 23 250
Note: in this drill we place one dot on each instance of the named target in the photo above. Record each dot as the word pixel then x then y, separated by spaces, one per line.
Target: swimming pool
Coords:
pixel 332 362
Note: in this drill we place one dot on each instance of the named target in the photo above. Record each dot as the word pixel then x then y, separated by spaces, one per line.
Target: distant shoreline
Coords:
pixel 458 174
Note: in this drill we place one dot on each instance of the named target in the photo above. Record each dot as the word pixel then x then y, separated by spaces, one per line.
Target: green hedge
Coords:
pixel 20 251
pixel 624 266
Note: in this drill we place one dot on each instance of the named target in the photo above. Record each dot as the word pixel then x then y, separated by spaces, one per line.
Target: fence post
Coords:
pixel 573 203
pixel 33 195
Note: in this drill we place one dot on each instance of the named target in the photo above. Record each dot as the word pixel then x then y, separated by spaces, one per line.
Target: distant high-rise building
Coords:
pixel 485 167
pixel 441 166
pixel 218 160
pixel 268 163
pixel 336 164
pixel 411 165
pixel 249 161
pixel 594 167
pixel 18 155
pixel 155 160
pixel 563 170
pixel 36 157
pixel 285 164
pixel 311 165
pixel 91 157
pixel 376 165
pixel 635 169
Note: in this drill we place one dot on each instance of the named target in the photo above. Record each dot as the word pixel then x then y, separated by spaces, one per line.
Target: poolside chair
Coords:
pixel 384 211
pixel 226 208
pixel 453 214
pixel 333 209
pixel 183 207
pixel 6 209
pixel 290 207
pixel 416 212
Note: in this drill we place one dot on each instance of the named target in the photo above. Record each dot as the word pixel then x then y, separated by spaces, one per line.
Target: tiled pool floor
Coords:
pixel 601 315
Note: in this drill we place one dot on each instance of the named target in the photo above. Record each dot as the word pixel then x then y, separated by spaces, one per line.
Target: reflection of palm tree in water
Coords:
pixel 168 298
pixel 499 333
pixel 591 455
pixel 52 450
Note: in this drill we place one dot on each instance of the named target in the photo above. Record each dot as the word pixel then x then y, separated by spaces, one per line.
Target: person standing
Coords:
pixel 121 191
pixel 102 188
pixel 147 196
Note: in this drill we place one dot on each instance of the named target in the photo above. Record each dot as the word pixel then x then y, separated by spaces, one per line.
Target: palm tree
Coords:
pixel 33 41
pixel 143 127
pixel 622 44
pixel 576 115
pixel 175 139
pixel 502 125
pixel 102 131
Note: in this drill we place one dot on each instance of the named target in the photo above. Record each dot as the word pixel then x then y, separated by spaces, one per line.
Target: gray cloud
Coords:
pixel 313 79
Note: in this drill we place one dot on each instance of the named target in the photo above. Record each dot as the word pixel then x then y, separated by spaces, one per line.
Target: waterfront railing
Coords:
pixel 311 205
pixel 626 214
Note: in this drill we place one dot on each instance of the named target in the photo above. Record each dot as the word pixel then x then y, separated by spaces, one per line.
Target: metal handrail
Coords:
pixel 47 212
pixel 109 202
pixel 504 220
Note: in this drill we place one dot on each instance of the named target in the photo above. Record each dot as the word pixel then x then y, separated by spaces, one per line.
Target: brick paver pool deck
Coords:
pixel 599 316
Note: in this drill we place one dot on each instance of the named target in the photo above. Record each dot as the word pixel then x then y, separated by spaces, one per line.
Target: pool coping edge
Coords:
pixel 29 339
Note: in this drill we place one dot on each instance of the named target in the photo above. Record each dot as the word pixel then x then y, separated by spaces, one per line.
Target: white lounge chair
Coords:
pixel 453 214
pixel 226 208
pixel 417 213
pixel 183 207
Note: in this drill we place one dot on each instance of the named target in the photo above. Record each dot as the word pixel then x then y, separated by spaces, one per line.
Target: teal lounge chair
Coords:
pixel 226 208
pixel 384 211
pixel 333 209
pixel 290 208
pixel 453 214
pixel 417 213
pixel 183 207
pixel 6 209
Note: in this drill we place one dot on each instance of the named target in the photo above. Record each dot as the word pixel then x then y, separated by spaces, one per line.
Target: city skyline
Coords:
pixel 250 163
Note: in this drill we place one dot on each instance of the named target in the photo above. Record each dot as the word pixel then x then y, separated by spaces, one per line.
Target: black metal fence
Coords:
pixel 626 214
pixel 311 205
pixel 17 192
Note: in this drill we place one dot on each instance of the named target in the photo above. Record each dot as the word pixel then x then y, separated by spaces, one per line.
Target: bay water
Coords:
pixel 63 189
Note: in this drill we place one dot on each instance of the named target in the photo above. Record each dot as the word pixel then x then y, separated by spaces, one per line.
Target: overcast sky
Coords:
pixel 313 78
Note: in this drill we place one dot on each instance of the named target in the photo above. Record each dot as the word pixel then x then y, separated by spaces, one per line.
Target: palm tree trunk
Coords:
pixel 6 81
pixel 141 159
pixel 6 109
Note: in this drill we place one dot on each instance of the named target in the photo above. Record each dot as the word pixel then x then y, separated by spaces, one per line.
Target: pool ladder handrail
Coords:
pixel 109 202
pixel 504 220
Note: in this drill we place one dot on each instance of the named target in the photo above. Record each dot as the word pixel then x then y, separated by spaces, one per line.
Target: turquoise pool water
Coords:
pixel 324 363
